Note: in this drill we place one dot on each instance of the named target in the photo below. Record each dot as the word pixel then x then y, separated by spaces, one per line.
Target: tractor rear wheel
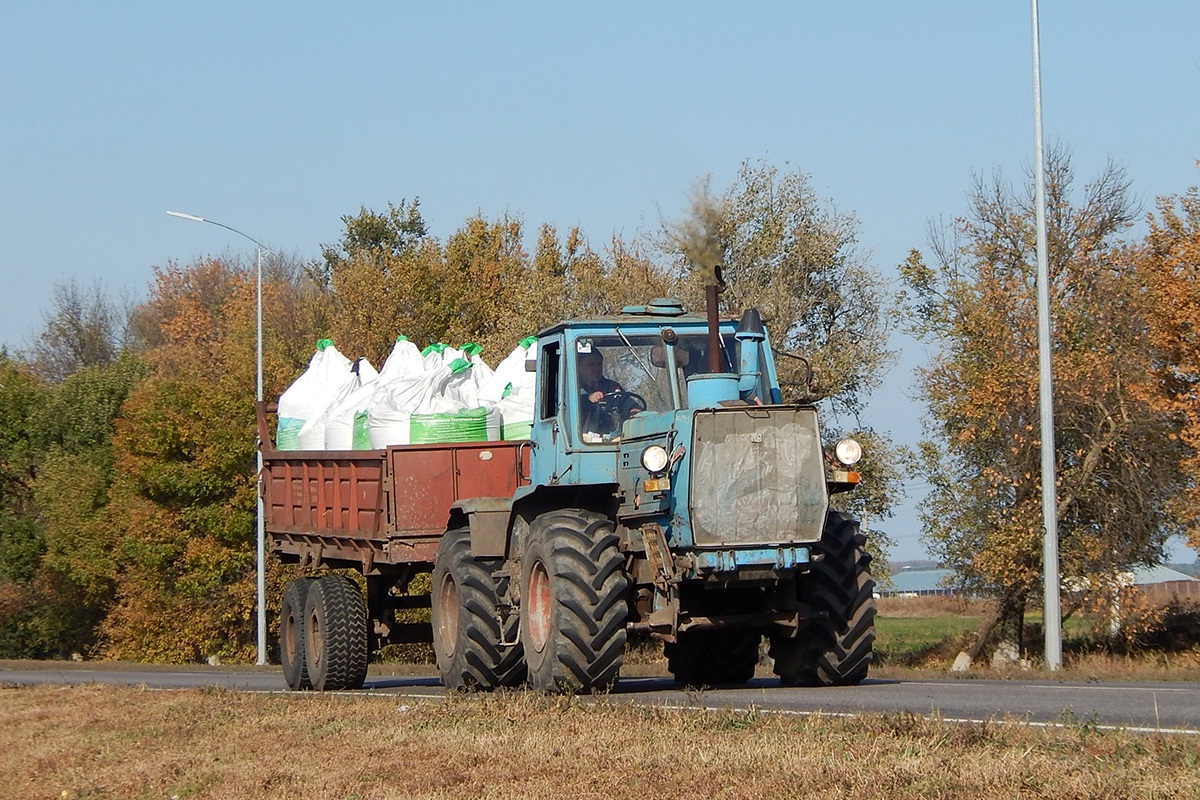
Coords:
pixel 713 658
pixel 474 648
pixel 335 634
pixel 291 634
pixel 574 602
pixel 836 649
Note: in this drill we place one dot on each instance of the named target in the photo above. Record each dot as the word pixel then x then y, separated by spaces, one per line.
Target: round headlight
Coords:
pixel 848 452
pixel 654 458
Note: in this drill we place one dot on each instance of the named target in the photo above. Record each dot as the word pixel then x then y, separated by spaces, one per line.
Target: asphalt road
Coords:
pixel 1162 706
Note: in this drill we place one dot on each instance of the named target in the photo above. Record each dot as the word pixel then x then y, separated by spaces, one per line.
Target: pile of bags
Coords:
pixel 439 394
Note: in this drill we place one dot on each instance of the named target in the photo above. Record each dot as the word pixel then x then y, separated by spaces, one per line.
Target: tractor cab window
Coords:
pixel 615 379
pixel 691 357
pixel 691 353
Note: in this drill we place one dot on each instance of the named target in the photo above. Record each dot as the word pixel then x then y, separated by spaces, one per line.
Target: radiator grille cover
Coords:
pixel 758 477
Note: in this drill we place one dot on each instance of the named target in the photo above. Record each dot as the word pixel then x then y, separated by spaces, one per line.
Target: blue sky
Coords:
pixel 279 119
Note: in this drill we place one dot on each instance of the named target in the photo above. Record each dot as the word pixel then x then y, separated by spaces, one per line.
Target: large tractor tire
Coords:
pixel 291 635
pixel 468 635
pixel 335 634
pixel 574 602
pixel 713 658
pixel 836 648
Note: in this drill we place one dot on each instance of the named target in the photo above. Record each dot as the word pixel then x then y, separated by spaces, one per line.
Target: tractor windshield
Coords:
pixel 622 375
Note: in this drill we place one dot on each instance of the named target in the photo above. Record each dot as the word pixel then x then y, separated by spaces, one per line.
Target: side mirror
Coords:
pixel 531 365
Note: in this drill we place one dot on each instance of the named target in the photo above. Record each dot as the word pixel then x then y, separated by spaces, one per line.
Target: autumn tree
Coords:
pixel 1169 266
pixel 486 284
pixel 796 259
pixel 1115 447
pixel 182 507
pixel 384 278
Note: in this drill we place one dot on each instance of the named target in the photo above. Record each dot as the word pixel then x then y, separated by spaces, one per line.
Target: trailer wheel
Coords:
pixel 468 634
pixel 291 635
pixel 574 602
pixel 713 658
pixel 836 648
pixel 335 634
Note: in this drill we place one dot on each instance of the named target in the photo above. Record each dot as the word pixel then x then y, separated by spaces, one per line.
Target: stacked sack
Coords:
pixel 510 390
pixel 439 394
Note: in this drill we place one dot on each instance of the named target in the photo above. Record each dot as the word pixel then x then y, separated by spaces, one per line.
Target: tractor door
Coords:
pixel 547 433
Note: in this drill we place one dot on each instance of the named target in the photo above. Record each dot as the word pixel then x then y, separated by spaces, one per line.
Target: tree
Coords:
pixel 55 540
pixel 21 540
pixel 1115 448
pixel 1169 265
pixel 84 327
pixel 796 260
pixel 182 501
pixel 384 279
pixel 486 284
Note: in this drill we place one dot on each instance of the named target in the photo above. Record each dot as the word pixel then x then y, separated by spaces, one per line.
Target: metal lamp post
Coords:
pixel 258 396
pixel 1051 610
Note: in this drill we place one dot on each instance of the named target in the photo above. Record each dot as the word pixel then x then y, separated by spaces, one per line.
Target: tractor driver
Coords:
pixel 595 413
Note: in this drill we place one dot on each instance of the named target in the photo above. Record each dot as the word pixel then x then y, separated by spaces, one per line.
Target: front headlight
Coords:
pixel 654 458
pixel 848 452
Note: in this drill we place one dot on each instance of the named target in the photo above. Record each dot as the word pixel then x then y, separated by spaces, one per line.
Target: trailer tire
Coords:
pixel 335 634
pixel 713 658
pixel 467 627
pixel 836 649
pixel 291 635
pixel 574 602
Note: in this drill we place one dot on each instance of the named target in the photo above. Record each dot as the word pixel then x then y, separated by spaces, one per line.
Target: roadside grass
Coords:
pixel 114 742
pixel 920 637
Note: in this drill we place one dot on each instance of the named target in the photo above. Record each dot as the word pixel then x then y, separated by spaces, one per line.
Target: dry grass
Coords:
pixel 931 606
pixel 101 741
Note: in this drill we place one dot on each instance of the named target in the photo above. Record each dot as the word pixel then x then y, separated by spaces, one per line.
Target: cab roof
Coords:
pixel 658 313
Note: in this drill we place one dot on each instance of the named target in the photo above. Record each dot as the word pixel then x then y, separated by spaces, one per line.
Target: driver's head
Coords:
pixel 591 369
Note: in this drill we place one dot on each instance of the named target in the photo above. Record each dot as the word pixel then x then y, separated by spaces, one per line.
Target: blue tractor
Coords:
pixel 671 494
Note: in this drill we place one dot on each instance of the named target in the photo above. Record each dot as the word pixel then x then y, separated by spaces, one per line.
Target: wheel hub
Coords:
pixel 539 606
pixel 447 621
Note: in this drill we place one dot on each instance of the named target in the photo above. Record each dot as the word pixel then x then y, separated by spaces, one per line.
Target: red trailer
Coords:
pixel 381 513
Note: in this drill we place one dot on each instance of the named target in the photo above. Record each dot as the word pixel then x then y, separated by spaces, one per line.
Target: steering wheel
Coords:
pixel 623 402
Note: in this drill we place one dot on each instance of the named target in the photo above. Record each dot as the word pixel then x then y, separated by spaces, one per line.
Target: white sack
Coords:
pixel 308 397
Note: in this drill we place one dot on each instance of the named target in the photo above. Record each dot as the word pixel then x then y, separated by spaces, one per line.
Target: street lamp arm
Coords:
pixel 194 218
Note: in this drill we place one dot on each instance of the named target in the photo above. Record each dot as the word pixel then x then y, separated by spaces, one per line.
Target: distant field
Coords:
pixel 112 742
pixel 909 639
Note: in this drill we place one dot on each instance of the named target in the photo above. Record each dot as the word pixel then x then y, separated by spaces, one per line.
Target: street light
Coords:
pixel 258 396
pixel 1051 610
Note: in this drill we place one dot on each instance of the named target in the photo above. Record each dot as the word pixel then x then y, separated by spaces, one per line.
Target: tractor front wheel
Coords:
pixel 836 648
pixel 574 602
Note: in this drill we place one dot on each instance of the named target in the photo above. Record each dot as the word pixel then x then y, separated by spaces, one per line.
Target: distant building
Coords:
pixel 918 583
pixel 1158 582
pixel 1163 584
